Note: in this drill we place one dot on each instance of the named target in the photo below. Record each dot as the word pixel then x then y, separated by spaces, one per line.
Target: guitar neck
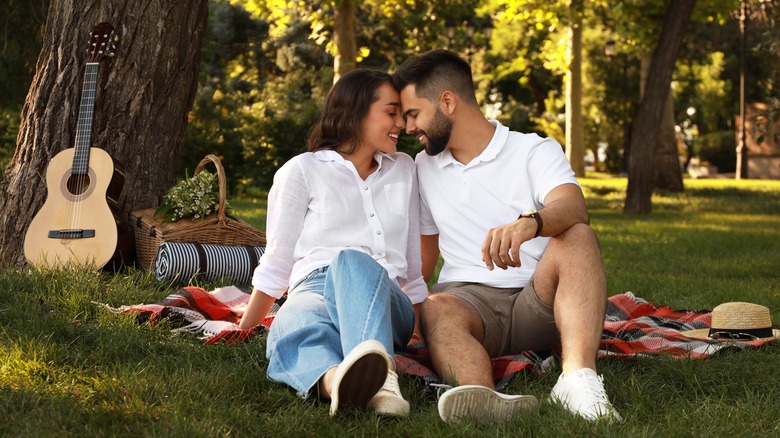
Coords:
pixel 86 114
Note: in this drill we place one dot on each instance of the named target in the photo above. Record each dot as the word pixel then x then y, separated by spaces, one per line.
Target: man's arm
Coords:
pixel 429 249
pixel 564 206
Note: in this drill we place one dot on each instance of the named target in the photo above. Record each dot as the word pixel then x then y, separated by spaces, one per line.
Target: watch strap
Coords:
pixel 538 218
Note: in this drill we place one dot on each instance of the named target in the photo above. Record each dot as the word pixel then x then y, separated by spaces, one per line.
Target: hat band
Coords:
pixel 765 332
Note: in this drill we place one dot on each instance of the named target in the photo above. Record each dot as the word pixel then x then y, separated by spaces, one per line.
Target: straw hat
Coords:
pixel 738 321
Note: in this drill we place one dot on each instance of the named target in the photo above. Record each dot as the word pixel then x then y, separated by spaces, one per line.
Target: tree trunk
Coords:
pixel 647 126
pixel 344 38
pixel 575 148
pixel 143 96
pixel 666 166
pixel 667 173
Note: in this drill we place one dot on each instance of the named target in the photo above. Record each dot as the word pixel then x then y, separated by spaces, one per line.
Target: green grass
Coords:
pixel 69 368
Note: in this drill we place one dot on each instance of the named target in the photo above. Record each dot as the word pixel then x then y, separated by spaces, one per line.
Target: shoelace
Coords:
pixel 391 383
pixel 440 388
pixel 595 385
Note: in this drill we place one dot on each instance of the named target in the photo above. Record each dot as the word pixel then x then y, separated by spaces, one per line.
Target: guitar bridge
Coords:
pixel 71 234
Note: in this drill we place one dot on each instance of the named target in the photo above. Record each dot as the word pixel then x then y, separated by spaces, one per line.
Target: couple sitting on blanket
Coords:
pixel 355 230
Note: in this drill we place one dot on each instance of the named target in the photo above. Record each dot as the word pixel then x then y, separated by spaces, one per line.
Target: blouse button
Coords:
pixel 365 187
pixel 371 215
pixel 378 232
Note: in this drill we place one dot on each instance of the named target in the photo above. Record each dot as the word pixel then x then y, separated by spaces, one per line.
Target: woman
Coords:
pixel 343 239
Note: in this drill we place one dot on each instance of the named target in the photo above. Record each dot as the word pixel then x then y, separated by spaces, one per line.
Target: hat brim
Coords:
pixel 704 334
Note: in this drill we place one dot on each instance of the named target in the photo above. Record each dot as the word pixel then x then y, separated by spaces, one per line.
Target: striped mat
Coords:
pixel 180 263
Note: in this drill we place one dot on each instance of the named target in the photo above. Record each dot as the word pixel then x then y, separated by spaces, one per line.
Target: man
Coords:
pixel 492 198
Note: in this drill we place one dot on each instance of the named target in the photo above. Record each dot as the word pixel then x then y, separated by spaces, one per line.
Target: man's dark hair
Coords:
pixel 435 72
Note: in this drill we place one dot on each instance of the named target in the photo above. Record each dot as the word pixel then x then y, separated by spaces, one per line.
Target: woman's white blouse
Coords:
pixel 318 205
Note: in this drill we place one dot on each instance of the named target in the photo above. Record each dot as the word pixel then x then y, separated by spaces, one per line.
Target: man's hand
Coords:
pixel 502 244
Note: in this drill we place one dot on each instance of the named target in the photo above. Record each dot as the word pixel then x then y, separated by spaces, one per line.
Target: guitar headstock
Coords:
pixel 102 42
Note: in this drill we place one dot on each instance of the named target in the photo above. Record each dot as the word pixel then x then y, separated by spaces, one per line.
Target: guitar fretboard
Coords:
pixel 84 127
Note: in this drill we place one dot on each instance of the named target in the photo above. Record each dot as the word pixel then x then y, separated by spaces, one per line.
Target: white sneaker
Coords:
pixel 481 404
pixel 582 392
pixel 389 401
pixel 359 376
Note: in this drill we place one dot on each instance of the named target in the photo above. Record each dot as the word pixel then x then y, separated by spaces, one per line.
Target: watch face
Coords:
pixel 528 213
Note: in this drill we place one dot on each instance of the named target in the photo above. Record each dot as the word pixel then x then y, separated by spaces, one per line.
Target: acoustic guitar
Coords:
pixel 78 224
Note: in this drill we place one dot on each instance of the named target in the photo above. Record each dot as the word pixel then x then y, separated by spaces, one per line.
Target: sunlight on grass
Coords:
pixel 251 211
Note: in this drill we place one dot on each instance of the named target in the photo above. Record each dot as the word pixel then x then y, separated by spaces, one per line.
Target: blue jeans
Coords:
pixel 330 312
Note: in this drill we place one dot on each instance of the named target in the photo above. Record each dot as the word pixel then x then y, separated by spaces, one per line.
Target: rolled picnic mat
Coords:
pixel 180 262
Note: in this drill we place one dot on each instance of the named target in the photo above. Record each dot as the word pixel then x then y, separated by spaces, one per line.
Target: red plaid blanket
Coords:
pixel 213 316
pixel 633 327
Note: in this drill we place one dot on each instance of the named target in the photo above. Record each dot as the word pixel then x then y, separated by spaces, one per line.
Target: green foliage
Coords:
pixel 22 22
pixel 267 65
pixel 258 96
pixel 9 129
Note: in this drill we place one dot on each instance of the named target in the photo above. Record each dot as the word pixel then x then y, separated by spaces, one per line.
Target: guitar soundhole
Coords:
pixel 77 187
pixel 78 184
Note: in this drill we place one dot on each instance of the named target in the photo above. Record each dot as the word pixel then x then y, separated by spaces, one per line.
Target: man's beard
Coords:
pixel 438 134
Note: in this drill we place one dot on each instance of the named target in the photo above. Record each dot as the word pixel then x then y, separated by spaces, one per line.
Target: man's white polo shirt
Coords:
pixel 461 202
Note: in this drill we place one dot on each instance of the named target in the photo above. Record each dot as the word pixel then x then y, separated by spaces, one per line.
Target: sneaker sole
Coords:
pixel 481 404
pixel 364 373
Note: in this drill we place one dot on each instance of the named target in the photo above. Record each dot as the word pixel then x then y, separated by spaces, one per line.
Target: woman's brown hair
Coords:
pixel 346 105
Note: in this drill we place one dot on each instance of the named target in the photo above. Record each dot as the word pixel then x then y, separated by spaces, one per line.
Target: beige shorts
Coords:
pixel 514 319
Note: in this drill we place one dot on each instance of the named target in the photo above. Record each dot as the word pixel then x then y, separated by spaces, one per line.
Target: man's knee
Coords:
pixel 444 310
pixel 578 239
pixel 434 307
pixel 578 233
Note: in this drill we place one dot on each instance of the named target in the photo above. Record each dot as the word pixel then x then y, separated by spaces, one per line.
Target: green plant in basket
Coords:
pixel 195 197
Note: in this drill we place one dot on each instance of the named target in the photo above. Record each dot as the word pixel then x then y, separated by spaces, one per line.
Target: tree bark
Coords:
pixel 344 38
pixel 575 148
pixel 143 96
pixel 648 121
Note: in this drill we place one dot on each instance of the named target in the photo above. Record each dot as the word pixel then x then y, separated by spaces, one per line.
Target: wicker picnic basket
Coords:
pixel 214 229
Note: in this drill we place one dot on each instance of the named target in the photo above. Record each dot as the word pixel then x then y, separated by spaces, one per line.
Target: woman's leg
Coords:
pixel 303 342
pixel 364 303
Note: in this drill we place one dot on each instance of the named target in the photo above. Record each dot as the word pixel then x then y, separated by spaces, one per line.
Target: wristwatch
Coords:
pixel 534 214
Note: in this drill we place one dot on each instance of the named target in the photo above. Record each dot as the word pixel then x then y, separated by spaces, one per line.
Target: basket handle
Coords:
pixel 220 177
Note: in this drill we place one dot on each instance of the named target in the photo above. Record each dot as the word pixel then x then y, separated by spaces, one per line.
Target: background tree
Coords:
pixel 575 149
pixel 649 116
pixel 344 37
pixel 144 94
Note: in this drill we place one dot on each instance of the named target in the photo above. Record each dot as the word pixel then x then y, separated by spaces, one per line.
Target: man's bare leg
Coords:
pixel 570 277
pixel 453 332
pixel 571 273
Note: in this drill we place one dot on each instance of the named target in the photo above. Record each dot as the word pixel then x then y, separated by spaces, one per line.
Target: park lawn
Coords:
pixel 70 368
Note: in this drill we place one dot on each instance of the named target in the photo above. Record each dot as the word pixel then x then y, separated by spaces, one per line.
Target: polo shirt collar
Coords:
pixel 491 151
